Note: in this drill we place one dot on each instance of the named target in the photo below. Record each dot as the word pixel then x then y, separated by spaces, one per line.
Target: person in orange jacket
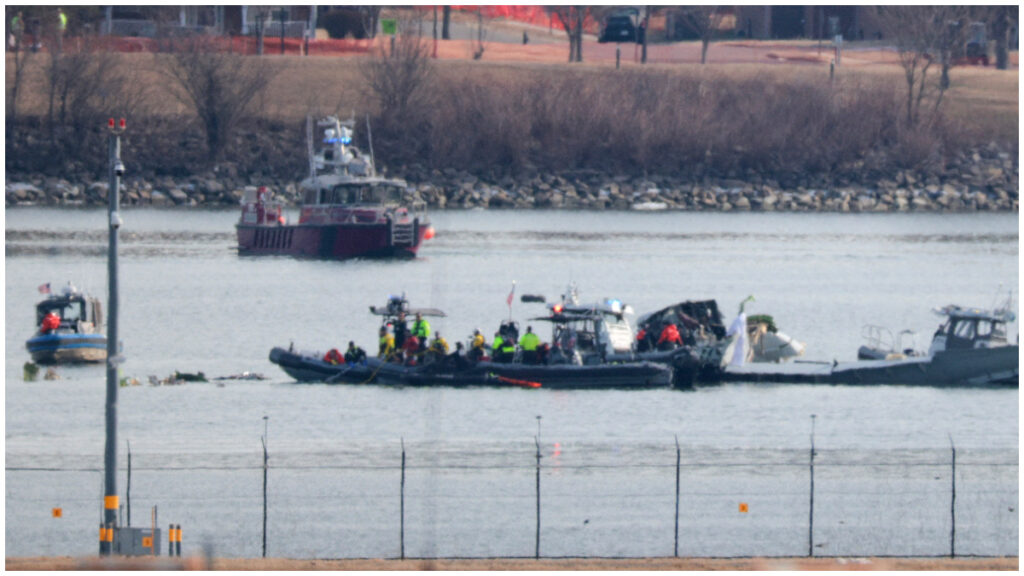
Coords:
pixel 669 338
pixel 334 357
pixel 50 322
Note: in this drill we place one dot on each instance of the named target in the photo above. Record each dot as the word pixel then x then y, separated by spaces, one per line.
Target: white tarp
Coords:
pixel 741 346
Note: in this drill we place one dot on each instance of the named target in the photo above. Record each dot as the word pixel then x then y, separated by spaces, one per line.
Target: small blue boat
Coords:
pixel 70 329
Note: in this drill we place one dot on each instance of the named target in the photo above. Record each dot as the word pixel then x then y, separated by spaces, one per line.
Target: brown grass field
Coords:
pixel 982 97
pixel 566 564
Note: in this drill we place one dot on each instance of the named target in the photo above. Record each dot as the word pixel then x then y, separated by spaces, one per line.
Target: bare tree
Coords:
pixel 573 19
pixel 481 33
pixel 220 87
pixel 20 58
pixel 923 34
pixel 85 86
pixel 1002 19
pixel 446 20
pixel 396 77
pixel 371 18
pixel 704 21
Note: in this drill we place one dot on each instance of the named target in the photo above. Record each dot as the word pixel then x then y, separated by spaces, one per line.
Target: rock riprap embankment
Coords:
pixel 985 180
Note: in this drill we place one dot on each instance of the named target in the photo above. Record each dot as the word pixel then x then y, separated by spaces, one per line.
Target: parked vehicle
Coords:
pixel 622 26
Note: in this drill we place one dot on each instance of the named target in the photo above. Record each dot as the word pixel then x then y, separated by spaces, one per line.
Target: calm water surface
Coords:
pixel 190 303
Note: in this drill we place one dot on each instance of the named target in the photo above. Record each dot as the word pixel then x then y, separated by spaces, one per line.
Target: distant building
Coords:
pixel 811 22
pixel 151 21
pixel 785 22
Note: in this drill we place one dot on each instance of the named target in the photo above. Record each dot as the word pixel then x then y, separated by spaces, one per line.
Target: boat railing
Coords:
pixel 878 337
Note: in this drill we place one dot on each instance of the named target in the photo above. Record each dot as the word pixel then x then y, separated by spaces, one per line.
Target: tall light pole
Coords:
pixel 114 359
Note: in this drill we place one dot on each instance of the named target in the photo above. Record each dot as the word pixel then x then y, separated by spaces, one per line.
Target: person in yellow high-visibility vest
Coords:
pixel 386 347
pixel 529 343
pixel 477 348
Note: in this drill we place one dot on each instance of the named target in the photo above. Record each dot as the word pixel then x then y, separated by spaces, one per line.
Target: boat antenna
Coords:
pixel 369 138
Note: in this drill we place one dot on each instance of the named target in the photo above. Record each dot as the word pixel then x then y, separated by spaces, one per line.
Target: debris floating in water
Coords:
pixel 243 376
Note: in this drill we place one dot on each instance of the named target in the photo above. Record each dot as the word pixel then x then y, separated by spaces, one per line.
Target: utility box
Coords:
pixel 136 541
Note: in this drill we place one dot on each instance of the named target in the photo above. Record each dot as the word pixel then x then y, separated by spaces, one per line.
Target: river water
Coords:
pixel 882 469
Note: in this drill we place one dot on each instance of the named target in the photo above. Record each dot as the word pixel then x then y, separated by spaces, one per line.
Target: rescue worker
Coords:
pixel 62 26
pixel 17 31
pixel 387 344
pixel 477 348
pixel 669 338
pixel 355 354
pixel 421 330
pixel 401 331
pixel 439 345
pixel 496 346
pixel 505 350
pixel 641 340
pixel 333 357
pixel 528 343
pixel 456 358
pixel 50 322
pixel 411 348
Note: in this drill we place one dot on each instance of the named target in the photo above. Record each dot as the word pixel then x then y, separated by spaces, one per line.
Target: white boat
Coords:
pixel 969 349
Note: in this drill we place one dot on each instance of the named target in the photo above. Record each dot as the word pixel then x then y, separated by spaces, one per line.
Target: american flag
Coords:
pixel 44 288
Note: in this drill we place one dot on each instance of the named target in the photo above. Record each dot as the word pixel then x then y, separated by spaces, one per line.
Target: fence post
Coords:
pixel 402 506
pixel 678 453
pixel 536 553
pixel 264 441
pixel 810 526
pixel 128 488
pixel 952 502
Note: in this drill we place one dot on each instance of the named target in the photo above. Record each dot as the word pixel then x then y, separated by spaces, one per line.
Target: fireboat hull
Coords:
pixel 328 241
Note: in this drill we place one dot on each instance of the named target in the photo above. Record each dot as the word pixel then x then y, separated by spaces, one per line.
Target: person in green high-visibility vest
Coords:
pixel 529 343
pixel 421 330
pixel 17 30
pixel 62 26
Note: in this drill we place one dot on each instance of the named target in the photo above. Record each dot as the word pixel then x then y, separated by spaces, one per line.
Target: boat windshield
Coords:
pixel 358 194
pixel 68 310
pixel 576 334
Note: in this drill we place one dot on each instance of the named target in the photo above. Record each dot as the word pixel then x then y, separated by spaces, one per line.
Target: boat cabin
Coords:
pixel 967 328
pixel 78 313
pixel 343 185
pixel 697 321
pixel 357 193
pixel 593 333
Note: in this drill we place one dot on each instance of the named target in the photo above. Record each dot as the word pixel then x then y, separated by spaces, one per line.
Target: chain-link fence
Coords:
pixel 601 500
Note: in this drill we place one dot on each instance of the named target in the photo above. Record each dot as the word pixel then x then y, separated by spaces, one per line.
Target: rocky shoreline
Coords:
pixel 986 179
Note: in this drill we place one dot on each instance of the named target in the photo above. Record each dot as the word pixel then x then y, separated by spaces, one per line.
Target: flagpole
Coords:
pixel 511 297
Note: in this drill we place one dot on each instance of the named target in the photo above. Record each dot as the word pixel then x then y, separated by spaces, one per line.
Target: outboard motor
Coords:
pixel 397 304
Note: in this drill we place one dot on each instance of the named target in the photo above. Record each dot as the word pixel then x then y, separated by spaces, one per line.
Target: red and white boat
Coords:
pixel 348 211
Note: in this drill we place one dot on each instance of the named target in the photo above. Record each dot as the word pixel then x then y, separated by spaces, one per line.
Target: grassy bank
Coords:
pixel 484 117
